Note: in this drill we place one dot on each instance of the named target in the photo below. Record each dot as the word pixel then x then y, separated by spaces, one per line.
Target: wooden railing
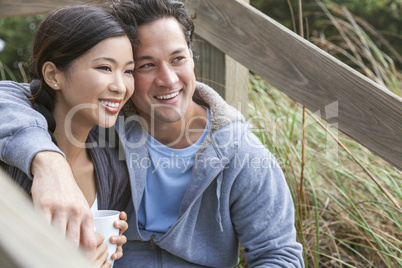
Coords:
pixel 231 30
pixel 26 240
pixel 364 110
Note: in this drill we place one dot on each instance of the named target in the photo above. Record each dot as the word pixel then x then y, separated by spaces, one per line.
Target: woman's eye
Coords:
pixel 130 71
pixel 105 68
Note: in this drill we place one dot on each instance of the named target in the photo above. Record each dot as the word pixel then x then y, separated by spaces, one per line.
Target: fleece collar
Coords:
pixel 221 112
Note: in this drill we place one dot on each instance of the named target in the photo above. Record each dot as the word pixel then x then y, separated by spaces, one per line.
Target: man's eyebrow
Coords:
pixel 177 51
pixel 144 58
pixel 147 57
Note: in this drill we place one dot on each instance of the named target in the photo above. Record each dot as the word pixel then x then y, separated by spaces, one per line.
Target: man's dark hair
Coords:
pixel 147 11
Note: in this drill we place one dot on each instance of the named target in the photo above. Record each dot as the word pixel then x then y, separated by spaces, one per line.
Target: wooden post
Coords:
pixel 216 69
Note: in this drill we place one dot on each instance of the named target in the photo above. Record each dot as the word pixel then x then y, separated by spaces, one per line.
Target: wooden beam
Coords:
pixel 26 240
pixel 365 111
pixel 10 8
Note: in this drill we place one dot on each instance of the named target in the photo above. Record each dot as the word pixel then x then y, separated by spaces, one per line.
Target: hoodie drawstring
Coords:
pixel 218 189
pixel 218 196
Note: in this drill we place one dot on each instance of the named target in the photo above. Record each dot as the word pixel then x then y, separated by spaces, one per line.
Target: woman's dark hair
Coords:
pixel 147 11
pixel 63 36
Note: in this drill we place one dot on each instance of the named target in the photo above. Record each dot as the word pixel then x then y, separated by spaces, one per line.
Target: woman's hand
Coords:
pixel 121 239
pixel 101 259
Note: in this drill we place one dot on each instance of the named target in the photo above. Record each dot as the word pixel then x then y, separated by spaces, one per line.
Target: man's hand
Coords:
pixel 56 194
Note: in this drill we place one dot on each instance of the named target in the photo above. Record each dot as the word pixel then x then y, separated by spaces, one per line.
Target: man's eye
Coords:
pixel 147 65
pixel 178 58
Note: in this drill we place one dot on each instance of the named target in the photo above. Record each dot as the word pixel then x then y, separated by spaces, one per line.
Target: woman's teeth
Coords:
pixel 110 104
pixel 169 96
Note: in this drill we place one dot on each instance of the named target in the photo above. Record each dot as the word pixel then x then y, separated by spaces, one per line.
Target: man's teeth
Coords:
pixel 165 97
pixel 110 104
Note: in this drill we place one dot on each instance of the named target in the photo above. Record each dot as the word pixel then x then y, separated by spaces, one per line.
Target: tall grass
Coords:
pixel 345 219
pixel 6 73
pixel 346 198
pixel 358 44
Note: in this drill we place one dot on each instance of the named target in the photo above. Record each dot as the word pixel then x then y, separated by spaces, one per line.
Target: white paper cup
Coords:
pixel 103 222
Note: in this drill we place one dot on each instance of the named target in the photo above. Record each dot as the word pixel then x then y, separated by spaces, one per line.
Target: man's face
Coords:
pixel 164 73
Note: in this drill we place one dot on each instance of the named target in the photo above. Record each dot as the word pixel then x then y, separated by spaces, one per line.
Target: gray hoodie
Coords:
pixel 237 192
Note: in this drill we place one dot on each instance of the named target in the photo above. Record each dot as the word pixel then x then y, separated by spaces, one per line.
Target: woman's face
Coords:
pixel 97 84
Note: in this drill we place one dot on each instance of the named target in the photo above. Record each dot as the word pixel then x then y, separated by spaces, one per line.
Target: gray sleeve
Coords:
pixel 263 213
pixel 23 131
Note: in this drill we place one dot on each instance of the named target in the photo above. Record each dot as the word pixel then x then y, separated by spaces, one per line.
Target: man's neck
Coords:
pixel 183 133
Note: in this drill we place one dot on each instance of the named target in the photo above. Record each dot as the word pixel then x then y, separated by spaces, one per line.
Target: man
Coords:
pixel 201 181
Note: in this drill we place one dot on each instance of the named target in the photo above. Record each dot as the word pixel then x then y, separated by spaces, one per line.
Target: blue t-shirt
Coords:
pixel 167 180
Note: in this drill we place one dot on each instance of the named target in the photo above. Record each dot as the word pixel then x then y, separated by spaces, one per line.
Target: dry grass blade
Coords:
pixel 358 42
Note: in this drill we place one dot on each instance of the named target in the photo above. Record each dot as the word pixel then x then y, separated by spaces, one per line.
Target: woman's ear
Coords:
pixel 52 76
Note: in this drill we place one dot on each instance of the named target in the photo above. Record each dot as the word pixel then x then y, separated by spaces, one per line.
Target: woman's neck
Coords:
pixel 71 142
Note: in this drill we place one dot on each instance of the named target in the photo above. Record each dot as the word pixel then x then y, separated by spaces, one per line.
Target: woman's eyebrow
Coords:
pixel 112 60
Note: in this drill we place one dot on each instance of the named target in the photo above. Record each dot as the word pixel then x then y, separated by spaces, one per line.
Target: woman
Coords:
pixel 82 74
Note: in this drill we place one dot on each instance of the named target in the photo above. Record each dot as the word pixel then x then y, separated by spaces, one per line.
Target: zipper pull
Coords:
pixel 152 242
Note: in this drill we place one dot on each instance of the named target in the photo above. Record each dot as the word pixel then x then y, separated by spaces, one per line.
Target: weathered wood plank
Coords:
pixel 237 83
pixel 365 111
pixel 210 65
pixel 222 73
pixel 26 240
pixel 9 8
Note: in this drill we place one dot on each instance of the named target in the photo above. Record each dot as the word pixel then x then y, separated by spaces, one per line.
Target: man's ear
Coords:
pixel 192 57
pixel 52 76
